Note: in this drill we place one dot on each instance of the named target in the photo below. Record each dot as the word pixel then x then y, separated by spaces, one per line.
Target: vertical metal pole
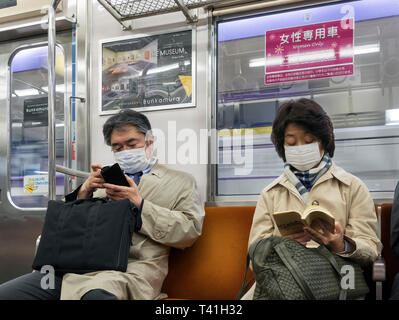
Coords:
pixel 52 183
pixel 83 85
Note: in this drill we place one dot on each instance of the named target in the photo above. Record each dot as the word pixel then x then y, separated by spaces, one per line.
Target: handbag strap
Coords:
pixel 245 286
pixel 292 266
pixel 330 258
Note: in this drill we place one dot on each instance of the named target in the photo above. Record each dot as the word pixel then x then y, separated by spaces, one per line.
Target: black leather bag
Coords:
pixel 86 235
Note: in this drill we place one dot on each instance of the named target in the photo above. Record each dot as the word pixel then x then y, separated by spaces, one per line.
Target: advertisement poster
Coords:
pixel 36 112
pixel 148 73
pixel 36 184
pixel 308 52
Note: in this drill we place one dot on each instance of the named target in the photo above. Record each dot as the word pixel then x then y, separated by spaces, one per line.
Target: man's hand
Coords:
pixel 94 181
pixel 301 237
pixel 115 192
pixel 333 241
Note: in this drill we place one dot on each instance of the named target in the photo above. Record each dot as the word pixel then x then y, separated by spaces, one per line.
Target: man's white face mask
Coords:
pixel 132 160
pixel 303 157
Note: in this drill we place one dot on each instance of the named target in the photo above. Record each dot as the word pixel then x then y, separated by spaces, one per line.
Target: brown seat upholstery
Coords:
pixel 391 261
pixel 213 268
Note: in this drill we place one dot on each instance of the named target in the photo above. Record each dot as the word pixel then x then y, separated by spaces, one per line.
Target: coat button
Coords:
pixel 159 234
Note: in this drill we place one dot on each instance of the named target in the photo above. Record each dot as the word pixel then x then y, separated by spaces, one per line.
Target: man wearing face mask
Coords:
pixel 170 215
pixel 303 136
pixel 170 212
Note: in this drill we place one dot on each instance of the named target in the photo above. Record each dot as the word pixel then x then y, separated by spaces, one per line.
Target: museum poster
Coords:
pixel 36 112
pixel 309 52
pixel 147 73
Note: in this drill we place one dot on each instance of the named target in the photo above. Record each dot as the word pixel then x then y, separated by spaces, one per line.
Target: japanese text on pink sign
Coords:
pixel 308 52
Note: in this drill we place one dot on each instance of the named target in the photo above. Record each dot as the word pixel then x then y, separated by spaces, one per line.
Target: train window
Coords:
pixel 28 150
pixel 364 105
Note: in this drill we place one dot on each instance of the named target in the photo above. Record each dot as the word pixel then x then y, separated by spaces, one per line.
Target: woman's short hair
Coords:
pixel 124 118
pixel 309 115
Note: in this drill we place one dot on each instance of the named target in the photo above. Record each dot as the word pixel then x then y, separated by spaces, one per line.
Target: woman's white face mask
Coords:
pixel 303 157
pixel 132 160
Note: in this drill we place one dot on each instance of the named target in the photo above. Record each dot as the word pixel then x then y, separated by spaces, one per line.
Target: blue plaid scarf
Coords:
pixel 305 180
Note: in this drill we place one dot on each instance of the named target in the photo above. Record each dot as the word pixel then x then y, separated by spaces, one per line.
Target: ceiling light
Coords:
pixel 58 88
pixel 368 48
pixel 322 55
pixel 311 56
pixel 163 69
pixel 392 117
pixel 26 92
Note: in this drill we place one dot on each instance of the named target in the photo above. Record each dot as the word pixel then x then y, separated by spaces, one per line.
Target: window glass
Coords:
pixel 29 132
pixel 363 106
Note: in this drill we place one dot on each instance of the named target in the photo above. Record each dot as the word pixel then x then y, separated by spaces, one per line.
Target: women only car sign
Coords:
pixel 308 52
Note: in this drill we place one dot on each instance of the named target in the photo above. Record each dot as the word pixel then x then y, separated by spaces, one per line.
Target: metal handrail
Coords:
pixel 51 99
pixel 72 172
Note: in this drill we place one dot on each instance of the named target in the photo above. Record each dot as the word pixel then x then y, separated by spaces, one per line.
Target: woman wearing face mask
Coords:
pixel 303 136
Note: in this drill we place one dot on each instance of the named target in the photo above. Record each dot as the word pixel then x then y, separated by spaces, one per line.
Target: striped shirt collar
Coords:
pixel 305 180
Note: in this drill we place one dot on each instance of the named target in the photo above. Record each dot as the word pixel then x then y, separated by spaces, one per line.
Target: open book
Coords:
pixel 290 222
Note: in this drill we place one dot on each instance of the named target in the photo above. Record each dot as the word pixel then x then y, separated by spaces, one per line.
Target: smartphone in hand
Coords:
pixel 114 175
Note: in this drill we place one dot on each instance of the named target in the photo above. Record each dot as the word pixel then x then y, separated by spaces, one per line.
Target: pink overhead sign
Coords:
pixel 308 52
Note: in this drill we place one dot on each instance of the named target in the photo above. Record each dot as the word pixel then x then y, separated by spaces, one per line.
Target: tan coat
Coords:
pixel 343 194
pixel 172 216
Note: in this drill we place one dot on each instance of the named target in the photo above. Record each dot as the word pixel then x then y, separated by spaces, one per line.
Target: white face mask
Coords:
pixel 303 157
pixel 132 160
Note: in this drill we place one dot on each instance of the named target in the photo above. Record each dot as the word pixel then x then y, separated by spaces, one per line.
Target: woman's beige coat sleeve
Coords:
pixel 361 228
pixel 262 224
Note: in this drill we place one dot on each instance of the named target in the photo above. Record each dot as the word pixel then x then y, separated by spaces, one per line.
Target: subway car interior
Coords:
pixel 210 75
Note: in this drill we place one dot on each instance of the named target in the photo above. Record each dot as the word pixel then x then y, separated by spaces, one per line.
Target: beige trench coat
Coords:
pixel 172 216
pixel 343 194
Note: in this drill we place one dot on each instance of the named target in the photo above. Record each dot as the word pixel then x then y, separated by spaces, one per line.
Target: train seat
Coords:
pixel 213 268
pixel 391 261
